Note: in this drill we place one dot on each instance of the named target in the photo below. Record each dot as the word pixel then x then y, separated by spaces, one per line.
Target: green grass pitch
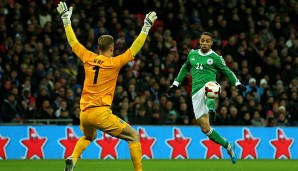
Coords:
pixel 152 165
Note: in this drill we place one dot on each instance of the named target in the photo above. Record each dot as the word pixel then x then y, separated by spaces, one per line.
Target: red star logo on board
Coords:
pixel 108 146
pixel 3 143
pixel 34 144
pixel 146 144
pixel 248 145
pixel 282 145
pixel 69 142
pixel 213 150
pixel 178 145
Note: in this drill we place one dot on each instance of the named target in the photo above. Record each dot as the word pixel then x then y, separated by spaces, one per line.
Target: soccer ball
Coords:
pixel 212 89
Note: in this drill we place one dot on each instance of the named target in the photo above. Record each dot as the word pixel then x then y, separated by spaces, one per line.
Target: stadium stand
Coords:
pixel 41 79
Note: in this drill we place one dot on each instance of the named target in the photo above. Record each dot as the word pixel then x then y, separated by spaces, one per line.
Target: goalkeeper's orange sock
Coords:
pixel 136 155
pixel 81 145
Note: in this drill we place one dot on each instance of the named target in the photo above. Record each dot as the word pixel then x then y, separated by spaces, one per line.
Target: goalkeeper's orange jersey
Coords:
pixel 101 75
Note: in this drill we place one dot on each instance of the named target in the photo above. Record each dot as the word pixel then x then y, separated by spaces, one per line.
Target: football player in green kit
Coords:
pixel 204 63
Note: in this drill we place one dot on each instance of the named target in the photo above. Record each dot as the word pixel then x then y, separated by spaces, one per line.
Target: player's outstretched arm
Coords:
pixel 65 15
pixel 140 40
pixel 172 88
pixel 240 86
pixel 182 73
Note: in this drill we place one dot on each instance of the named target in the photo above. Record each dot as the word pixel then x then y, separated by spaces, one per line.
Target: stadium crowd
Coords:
pixel 42 79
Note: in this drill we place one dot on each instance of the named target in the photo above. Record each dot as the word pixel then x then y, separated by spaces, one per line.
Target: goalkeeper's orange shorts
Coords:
pixel 100 118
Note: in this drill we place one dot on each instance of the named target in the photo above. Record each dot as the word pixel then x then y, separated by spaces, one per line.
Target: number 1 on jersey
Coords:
pixel 96 68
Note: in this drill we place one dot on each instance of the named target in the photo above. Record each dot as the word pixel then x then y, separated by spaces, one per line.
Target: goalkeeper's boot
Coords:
pixel 231 152
pixel 70 164
pixel 211 115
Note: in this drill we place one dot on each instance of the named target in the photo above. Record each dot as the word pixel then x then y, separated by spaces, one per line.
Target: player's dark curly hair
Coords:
pixel 208 34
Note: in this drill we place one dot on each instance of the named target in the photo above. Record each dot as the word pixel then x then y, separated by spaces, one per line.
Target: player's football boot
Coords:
pixel 70 165
pixel 211 115
pixel 231 152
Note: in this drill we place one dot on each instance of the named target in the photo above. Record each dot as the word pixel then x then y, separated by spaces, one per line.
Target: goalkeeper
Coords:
pixel 101 72
pixel 204 64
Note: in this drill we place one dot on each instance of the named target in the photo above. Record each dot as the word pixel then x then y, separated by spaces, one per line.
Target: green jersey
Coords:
pixel 204 67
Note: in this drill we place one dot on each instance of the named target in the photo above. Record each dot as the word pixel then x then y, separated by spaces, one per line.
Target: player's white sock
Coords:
pixel 229 146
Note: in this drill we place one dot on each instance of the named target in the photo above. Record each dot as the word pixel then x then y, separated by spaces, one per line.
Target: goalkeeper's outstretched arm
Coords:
pixel 65 15
pixel 140 40
pixel 71 37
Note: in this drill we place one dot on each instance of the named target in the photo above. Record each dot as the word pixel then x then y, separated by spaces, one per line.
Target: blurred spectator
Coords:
pixel 172 118
pixel 234 118
pixel 247 119
pixel 272 122
pixel 124 112
pixel 282 120
pixel 63 106
pixel 252 85
pixel 43 94
pixel 292 107
pixel 142 117
pixel 57 102
pixel 120 94
pixel 156 118
pixel 185 120
pixel 222 116
pixel 75 115
pixel 70 98
pixel 14 78
pixel 5 89
pixel 10 110
pixel 257 120
pixel 64 115
pixel 49 113
pixel 262 87
pixel 42 113
pixel 131 93
pixel 251 106
pixel 183 113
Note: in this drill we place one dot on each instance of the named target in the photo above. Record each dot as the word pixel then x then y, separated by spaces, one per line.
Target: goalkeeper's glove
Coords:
pixel 240 86
pixel 149 21
pixel 64 13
